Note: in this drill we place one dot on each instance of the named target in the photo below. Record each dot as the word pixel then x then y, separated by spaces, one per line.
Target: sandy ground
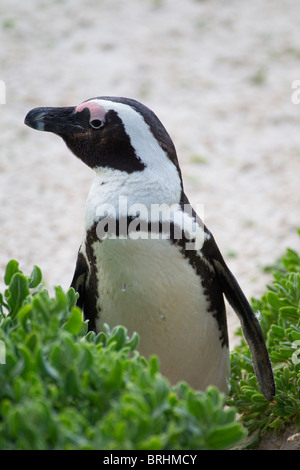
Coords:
pixel 219 76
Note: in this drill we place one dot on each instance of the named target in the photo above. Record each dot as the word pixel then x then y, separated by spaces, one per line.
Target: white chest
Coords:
pixel 149 287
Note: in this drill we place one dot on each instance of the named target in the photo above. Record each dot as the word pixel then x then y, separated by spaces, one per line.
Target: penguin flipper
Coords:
pixel 250 327
pixel 79 279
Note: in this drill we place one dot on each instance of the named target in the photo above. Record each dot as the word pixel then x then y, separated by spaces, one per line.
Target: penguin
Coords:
pixel 147 261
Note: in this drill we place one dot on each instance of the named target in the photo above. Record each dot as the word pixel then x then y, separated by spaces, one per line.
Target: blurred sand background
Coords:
pixel 219 76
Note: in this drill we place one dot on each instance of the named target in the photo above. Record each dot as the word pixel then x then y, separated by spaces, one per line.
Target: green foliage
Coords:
pixel 64 388
pixel 279 311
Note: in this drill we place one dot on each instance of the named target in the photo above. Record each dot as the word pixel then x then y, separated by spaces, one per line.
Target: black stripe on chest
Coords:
pixel 202 267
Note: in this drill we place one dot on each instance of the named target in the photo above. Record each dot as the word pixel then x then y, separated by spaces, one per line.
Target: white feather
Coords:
pixel 147 286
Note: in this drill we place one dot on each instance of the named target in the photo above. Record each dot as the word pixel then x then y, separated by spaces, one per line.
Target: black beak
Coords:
pixel 61 121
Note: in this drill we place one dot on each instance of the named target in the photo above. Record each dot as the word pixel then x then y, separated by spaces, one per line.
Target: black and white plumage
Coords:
pixel 170 294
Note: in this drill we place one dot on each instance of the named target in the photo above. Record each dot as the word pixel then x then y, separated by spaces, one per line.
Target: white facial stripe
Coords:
pixel 158 183
pixel 142 140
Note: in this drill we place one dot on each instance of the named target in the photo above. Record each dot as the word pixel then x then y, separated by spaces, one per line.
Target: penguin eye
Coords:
pixel 96 123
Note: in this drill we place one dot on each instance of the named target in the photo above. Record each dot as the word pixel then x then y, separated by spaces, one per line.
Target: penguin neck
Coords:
pixel 115 191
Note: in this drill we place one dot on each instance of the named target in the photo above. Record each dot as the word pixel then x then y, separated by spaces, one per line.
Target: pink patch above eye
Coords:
pixel 96 111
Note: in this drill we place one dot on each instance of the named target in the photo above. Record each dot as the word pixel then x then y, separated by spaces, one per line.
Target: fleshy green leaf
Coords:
pixel 17 292
pixel 74 322
pixel 35 277
pixel 226 436
pixel 11 268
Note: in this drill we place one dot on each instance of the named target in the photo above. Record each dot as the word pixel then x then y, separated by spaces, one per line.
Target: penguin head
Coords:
pixel 108 132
